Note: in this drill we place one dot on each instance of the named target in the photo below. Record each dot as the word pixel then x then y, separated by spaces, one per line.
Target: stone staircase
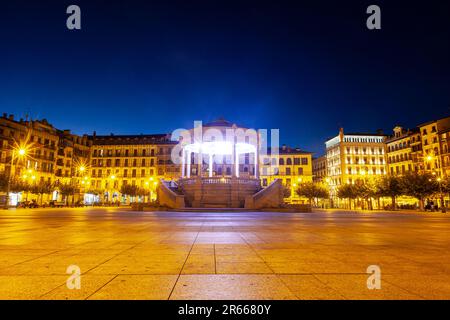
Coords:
pixel 218 192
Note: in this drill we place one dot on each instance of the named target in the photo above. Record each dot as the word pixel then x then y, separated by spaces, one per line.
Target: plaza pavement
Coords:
pixel 244 255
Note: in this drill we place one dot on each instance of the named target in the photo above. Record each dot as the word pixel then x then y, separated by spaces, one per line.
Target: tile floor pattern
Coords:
pixel 248 255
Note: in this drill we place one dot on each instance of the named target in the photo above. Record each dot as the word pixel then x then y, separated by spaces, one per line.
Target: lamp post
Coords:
pixel 21 152
pixel 81 170
pixel 439 180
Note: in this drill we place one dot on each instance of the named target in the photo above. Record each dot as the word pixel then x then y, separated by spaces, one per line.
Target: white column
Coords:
pixel 233 160
pixel 188 164
pixel 236 162
pixel 200 163
pixel 210 164
pixel 256 165
pixel 183 163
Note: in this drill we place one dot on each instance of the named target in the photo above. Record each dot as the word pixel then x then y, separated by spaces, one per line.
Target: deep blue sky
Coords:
pixel 305 67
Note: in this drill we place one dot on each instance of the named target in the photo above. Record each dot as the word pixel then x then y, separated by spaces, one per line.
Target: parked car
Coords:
pixel 56 204
pixel 78 204
pixel 27 204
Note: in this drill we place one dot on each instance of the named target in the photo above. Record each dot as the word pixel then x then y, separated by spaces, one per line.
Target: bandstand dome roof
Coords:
pixel 221 122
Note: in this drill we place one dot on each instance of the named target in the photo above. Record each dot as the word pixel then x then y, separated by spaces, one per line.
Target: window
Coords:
pixel 289 161
pixel 304 161
pixel 281 162
pixel 288 171
pixel 300 171
pixel 296 161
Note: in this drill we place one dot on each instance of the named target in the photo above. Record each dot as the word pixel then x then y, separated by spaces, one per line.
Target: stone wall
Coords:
pixel 167 197
pixel 270 197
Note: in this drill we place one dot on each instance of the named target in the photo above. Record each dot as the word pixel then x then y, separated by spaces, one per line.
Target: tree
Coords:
pixel 366 189
pixel 312 191
pixel 347 191
pixel 19 185
pixel 390 186
pixel 286 192
pixel 67 189
pixel 41 188
pixel 419 185
pixel 131 190
pixel 3 181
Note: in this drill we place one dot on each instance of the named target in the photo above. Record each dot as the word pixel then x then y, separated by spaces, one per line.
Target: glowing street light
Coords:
pixel 21 151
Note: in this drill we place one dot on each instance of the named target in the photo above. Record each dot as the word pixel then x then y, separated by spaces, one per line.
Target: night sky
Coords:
pixel 305 67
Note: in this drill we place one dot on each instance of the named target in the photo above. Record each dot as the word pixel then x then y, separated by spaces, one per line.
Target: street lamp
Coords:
pixel 439 180
pixel 21 152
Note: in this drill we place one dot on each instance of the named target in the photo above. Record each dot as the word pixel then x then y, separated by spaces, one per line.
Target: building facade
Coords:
pixel 352 157
pixel 319 168
pixel 404 151
pixel 137 160
pixel 432 133
pixel 292 165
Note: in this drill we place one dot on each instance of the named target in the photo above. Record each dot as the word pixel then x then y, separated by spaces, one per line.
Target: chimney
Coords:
pixel 4 115
pixel 11 117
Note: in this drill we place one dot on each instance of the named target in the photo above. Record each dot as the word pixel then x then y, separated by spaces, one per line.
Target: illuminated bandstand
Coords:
pixel 218 149
pixel 222 150
pixel 219 169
